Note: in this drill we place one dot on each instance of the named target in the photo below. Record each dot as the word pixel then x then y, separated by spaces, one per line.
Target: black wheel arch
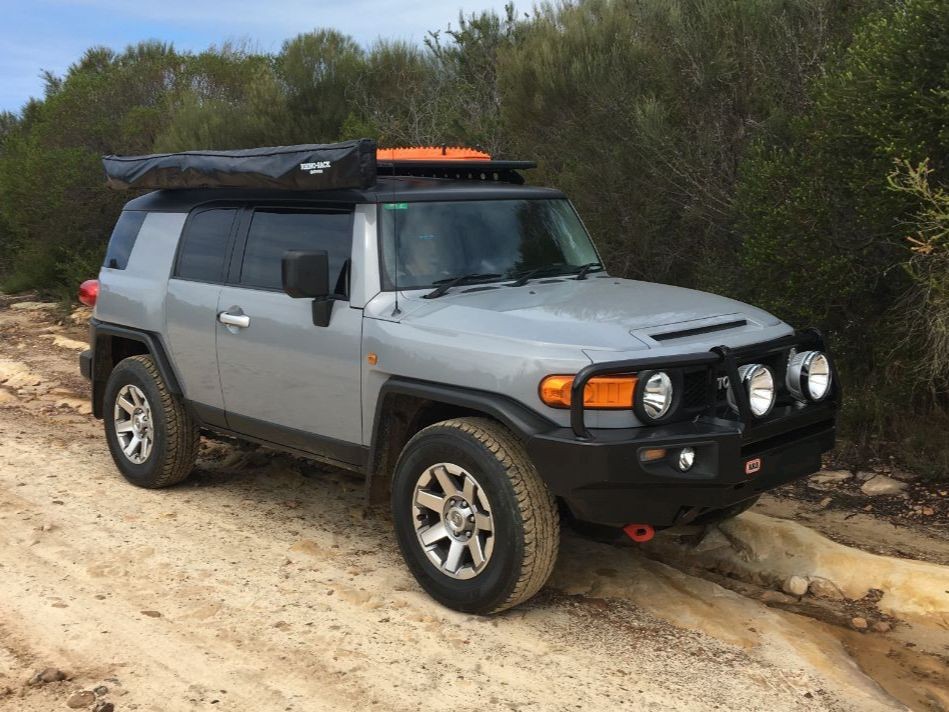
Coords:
pixel 406 405
pixel 111 343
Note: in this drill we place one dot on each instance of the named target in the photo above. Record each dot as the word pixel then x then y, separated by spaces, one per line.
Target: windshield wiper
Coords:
pixel 587 268
pixel 537 272
pixel 445 284
pixel 557 270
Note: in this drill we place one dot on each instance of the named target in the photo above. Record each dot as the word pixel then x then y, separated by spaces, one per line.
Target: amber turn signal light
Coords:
pixel 604 392
pixel 652 454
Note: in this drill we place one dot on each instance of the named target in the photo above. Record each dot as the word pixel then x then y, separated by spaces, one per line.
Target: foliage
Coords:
pixel 824 220
pixel 924 309
pixel 781 151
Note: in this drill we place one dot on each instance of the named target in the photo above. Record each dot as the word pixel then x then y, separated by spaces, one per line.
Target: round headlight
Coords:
pixel 808 376
pixel 758 382
pixel 656 395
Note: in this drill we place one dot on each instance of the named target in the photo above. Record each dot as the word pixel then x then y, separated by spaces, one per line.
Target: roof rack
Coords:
pixel 350 164
pixel 455 162
pixel 500 171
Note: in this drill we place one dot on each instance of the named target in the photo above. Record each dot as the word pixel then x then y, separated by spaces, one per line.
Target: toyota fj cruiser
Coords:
pixel 429 321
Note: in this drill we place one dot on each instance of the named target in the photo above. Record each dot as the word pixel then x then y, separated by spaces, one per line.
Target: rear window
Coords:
pixel 203 248
pixel 274 232
pixel 123 238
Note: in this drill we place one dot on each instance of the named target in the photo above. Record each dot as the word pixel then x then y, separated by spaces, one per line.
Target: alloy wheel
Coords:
pixel 132 419
pixel 453 522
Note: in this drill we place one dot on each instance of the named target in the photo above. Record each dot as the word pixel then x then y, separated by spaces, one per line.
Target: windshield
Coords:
pixel 439 241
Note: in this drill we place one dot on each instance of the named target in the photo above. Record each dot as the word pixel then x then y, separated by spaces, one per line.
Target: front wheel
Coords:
pixel 476 524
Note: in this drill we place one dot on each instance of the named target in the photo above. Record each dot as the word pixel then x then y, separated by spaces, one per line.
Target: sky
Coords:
pixel 37 35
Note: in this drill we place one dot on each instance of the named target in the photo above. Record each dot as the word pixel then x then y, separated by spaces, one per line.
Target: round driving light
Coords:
pixel 657 395
pixel 758 382
pixel 686 459
pixel 808 376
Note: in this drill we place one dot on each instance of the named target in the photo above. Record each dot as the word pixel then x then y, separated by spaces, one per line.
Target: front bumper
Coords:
pixel 600 476
pixel 603 480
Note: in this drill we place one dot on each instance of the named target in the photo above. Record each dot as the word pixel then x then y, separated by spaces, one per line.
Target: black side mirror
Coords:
pixel 306 273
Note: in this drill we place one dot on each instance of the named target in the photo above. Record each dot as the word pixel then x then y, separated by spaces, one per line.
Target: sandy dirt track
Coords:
pixel 261 583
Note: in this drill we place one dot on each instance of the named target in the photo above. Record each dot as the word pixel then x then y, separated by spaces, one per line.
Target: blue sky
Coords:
pixel 51 34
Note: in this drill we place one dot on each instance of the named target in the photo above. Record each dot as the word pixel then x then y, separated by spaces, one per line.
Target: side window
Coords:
pixel 204 244
pixel 123 238
pixel 272 232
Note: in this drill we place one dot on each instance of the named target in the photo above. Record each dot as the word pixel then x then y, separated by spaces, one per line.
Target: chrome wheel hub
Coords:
pixel 453 522
pixel 132 419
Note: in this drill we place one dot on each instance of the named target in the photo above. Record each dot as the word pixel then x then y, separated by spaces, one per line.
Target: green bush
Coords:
pixel 824 222
pixel 780 151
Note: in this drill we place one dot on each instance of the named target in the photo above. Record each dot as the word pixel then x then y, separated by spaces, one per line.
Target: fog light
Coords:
pixel 809 376
pixel 686 459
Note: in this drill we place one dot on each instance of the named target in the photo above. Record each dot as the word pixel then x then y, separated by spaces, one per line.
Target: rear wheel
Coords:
pixel 152 437
pixel 476 525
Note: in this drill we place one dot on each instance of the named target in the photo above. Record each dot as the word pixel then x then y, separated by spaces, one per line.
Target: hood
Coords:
pixel 599 313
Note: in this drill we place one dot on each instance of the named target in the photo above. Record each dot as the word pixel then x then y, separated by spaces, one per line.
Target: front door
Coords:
pixel 283 379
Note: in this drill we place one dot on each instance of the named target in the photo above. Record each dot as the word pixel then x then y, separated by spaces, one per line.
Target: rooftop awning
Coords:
pixel 351 164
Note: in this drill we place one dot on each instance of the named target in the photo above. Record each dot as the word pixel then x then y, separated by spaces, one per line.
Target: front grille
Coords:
pixel 695 389
pixel 697 392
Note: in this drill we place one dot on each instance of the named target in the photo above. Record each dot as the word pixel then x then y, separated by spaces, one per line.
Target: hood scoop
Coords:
pixel 696 330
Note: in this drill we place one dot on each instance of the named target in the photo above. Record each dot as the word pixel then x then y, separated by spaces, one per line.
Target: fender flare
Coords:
pixel 101 348
pixel 520 419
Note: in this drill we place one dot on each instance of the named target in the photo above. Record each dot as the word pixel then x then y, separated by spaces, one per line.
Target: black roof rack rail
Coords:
pixel 499 171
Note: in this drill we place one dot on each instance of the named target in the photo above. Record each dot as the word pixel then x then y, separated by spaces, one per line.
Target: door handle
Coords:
pixel 241 321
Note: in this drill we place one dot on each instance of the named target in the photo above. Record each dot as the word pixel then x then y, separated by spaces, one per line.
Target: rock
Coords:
pixel 151 614
pixel 83 698
pixel 882 627
pixel 927 511
pixel 103 706
pixel 795 585
pixel 825 503
pixel 713 540
pixel 774 597
pixel 50 674
pixel 6 691
pixel 101 691
pixel 864 476
pixel 831 477
pixel 824 588
pixel 882 485
pixel 859 623
pixel 828 480
pixel 33 306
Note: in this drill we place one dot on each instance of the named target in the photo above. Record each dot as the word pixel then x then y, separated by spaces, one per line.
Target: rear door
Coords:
pixel 284 379
pixel 191 305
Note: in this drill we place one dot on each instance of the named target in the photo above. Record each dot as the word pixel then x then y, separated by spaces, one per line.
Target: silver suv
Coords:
pixel 451 336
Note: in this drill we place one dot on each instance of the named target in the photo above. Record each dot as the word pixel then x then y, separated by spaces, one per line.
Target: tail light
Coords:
pixel 89 292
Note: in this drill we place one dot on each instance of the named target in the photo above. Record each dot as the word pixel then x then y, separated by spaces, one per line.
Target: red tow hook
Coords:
pixel 640 533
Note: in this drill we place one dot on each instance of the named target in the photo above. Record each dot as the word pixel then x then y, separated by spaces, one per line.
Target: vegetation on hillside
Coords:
pixel 791 153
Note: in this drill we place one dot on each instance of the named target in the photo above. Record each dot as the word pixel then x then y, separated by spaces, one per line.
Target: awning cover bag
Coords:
pixel 351 164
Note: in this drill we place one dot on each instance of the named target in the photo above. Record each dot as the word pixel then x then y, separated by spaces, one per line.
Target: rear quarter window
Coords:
pixel 123 238
pixel 203 250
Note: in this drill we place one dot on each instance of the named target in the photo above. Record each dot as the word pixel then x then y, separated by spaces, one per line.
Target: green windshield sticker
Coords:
pixel 395 206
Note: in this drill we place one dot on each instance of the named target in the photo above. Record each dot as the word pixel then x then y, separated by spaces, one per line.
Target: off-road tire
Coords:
pixel 176 435
pixel 720 515
pixel 526 520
